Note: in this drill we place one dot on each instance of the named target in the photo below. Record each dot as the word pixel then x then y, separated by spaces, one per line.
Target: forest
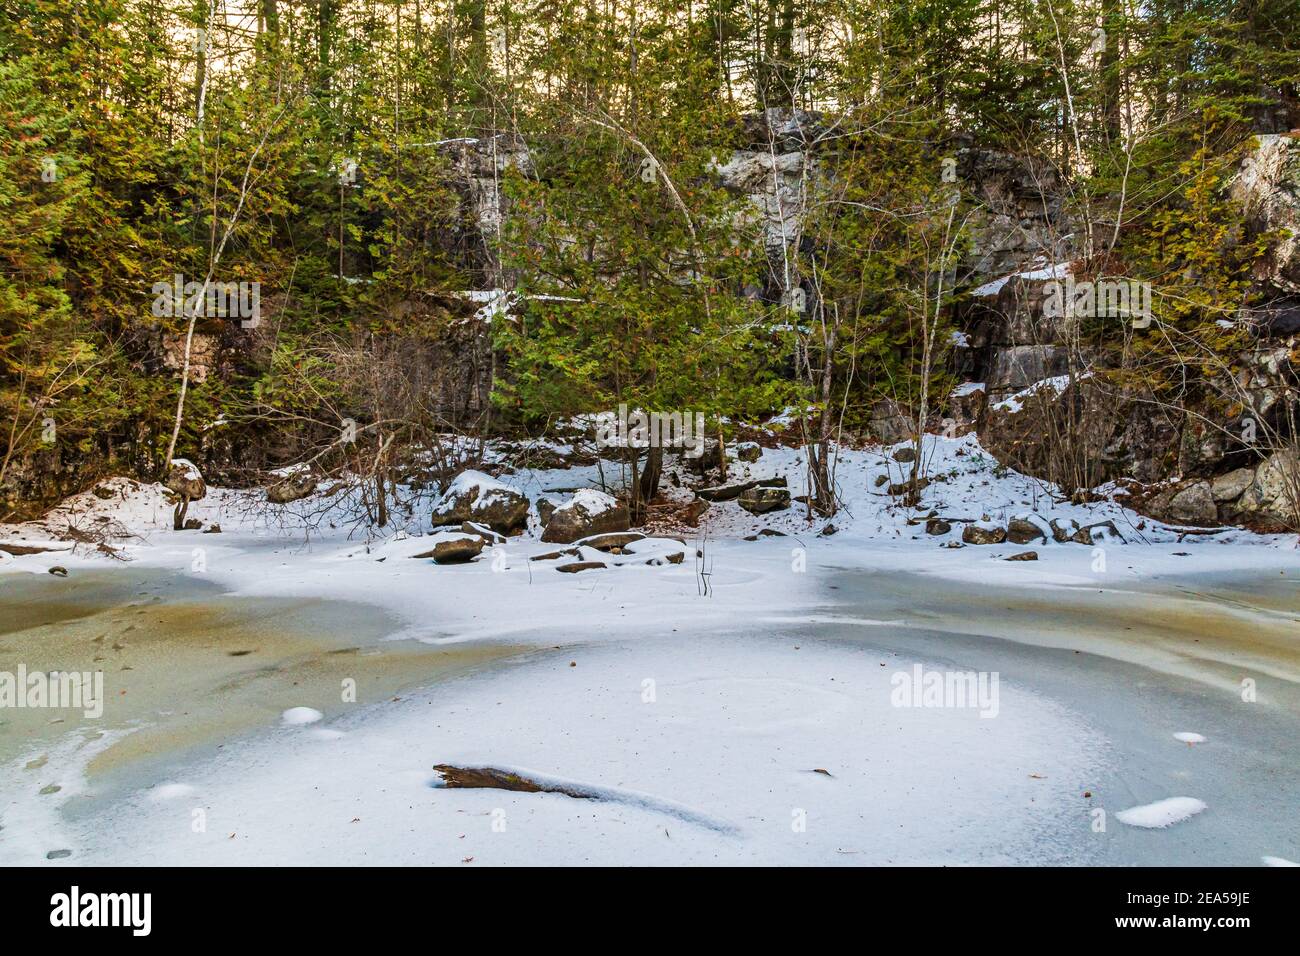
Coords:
pixel 491 219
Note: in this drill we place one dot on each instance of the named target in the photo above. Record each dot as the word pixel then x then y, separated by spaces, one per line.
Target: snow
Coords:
pixel 1277 861
pixel 189 470
pixel 1188 737
pixel 967 388
pixel 697 751
pixel 1162 813
pixel 1014 403
pixel 714 759
pixel 297 716
pixel 590 500
pixel 480 488
pixel 1057 270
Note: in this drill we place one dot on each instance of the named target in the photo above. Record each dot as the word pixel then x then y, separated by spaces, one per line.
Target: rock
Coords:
pixel 545 508
pixel 104 492
pixel 1063 531
pixel 296 484
pixel 762 499
pixel 1275 489
pixel 58 854
pixel 827 531
pixel 1265 189
pixel 474 496
pixel 183 478
pixel 904 455
pixel 889 424
pixel 576 566
pixel 453 547
pixel 1023 529
pixel 483 531
pixel 747 451
pixel 937 526
pixel 1229 487
pixel 1024 556
pixel 692 513
pixel 610 540
pixel 213 528
pixel 1097 533
pixel 903 487
pixel 192 524
pixel 736 489
pixel 1194 505
pixel 656 551
pixel 58 570
pixel 589 512
pixel 1020 366
pixel 978 532
pixel 1201 448
pixel 556 555
pixel 881 480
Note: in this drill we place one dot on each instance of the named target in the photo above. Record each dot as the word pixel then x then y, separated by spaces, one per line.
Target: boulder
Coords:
pixel 556 555
pixel 735 490
pixel 610 540
pixel 1229 487
pixel 1024 556
pixel 474 496
pixel 184 479
pixel 904 455
pixel 453 547
pixel 295 484
pixel 903 487
pixel 692 513
pixel 747 451
pixel 575 566
pixel 545 508
pixel 890 423
pixel 1274 492
pixel 982 532
pixel 762 499
pixel 1097 533
pixel 1024 529
pixel 937 526
pixel 1193 504
pixel 587 513
pixel 1063 529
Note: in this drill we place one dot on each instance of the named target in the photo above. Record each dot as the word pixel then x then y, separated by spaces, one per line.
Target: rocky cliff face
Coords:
pixel 1215 460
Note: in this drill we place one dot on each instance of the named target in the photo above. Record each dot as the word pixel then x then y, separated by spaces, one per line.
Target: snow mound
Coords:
pixel 1162 813
pixel 297 716
pixel 1187 737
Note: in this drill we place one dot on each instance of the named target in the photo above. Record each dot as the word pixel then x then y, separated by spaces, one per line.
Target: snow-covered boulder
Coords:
pixel 184 479
pixel 1064 529
pixel 587 513
pixel 1027 528
pixel 474 496
pixel 295 482
pixel 453 547
pixel 983 532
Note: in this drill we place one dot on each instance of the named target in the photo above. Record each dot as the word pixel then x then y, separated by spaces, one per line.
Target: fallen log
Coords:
pixel 492 778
